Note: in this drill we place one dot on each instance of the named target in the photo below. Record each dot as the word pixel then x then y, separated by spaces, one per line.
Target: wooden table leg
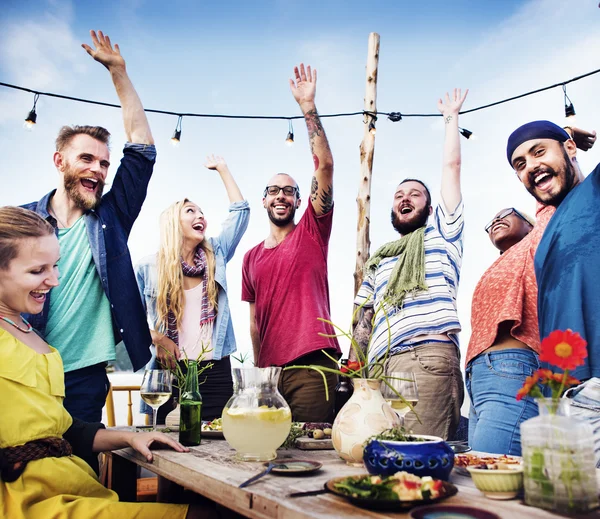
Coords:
pixel 124 478
pixel 168 491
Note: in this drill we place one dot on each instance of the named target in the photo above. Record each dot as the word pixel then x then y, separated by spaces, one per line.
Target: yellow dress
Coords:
pixel 32 390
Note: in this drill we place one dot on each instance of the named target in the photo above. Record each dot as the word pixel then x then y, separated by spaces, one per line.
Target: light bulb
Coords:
pixel 30 121
pixel 289 140
pixel 176 139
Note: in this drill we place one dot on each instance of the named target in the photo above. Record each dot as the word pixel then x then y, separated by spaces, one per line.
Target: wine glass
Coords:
pixel 405 384
pixel 156 390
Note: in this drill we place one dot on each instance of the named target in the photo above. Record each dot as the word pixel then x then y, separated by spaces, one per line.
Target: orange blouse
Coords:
pixel 507 291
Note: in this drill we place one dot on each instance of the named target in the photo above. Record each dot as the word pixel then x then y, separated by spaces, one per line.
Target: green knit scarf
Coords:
pixel 408 274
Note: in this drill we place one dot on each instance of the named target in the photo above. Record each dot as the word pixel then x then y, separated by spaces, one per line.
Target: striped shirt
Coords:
pixel 427 312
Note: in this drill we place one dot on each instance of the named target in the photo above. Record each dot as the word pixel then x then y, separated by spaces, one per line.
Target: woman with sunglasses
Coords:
pixel 184 289
pixel 42 448
pixel 505 339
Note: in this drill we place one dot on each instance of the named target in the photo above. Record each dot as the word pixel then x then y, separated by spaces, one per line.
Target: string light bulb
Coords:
pixel 289 140
pixel 176 139
pixel 569 108
pixel 467 134
pixel 372 119
pixel 31 119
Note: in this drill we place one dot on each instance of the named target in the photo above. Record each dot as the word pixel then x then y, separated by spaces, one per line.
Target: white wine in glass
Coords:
pixel 156 390
pixel 405 384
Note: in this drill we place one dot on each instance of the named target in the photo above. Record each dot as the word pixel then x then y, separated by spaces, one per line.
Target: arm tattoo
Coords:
pixel 326 197
pixel 313 189
pixel 362 332
pixel 313 124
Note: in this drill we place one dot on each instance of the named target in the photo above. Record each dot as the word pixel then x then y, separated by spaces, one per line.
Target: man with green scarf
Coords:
pixel 407 303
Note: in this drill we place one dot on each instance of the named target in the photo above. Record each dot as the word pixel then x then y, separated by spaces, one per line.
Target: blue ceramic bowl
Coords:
pixel 432 458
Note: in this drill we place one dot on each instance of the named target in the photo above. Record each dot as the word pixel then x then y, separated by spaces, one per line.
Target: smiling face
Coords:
pixel 508 231
pixel 281 208
pixel 29 276
pixel 546 169
pixel 411 207
pixel 193 224
pixel 84 163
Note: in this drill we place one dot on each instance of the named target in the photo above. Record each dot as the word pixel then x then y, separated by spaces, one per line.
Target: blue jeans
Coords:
pixel 493 380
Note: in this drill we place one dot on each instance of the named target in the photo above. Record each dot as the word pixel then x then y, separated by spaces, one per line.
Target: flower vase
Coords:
pixel 190 404
pixel 364 415
pixel 558 458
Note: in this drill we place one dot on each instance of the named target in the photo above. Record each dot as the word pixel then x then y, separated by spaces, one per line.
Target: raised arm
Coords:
pixel 449 108
pixel 362 332
pixel 136 124
pixel 218 164
pixel 304 89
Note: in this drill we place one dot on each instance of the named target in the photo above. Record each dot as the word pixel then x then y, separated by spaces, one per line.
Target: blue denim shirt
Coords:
pixel 108 227
pixel 223 339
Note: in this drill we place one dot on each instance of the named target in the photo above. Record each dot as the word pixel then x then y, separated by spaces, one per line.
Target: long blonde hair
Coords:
pixel 170 273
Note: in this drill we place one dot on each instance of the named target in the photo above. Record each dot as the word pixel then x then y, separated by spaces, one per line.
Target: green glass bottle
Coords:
pixel 190 422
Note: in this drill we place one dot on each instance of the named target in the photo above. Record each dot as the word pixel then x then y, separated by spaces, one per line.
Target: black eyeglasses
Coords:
pixel 274 190
pixel 504 214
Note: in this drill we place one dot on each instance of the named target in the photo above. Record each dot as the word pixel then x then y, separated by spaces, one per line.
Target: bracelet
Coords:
pixel 569 130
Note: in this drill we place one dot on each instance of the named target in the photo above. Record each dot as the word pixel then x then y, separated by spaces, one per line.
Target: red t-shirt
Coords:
pixel 289 287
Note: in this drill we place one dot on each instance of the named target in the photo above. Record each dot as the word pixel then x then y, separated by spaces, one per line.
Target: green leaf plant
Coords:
pixel 370 369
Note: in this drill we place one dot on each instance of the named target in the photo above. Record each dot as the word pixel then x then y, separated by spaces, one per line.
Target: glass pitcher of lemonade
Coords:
pixel 257 419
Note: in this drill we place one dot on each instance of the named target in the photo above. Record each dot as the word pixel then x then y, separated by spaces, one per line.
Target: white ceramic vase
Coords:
pixel 364 415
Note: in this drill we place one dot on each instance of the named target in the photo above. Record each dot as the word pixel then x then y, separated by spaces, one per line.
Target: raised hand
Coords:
pixel 583 139
pixel 305 86
pixel 104 52
pixel 452 104
pixel 215 162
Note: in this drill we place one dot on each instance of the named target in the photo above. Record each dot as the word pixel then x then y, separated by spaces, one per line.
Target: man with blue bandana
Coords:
pixel 566 262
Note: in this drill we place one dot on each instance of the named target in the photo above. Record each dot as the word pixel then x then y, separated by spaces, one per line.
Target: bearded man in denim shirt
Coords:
pixel 97 303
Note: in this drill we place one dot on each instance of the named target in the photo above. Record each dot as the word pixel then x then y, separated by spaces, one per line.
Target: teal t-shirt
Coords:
pixel 79 320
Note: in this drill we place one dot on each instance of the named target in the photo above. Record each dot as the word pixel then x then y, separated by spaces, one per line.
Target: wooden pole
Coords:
pixel 367 149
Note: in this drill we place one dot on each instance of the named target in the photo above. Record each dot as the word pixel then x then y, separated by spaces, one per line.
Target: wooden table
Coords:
pixel 211 470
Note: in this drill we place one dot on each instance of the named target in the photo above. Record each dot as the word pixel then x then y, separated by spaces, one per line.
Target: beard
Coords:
pixel 418 220
pixel 281 222
pixel 567 176
pixel 72 181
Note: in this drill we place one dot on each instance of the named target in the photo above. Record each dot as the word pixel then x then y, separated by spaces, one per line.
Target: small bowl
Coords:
pixel 498 483
pixel 432 457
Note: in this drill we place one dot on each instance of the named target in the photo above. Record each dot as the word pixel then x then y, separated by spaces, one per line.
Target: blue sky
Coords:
pixel 236 57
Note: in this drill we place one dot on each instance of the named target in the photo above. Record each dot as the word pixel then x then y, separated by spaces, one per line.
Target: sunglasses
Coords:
pixel 274 190
pixel 504 214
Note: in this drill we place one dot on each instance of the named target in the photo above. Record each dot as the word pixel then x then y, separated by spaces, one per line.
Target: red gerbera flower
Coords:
pixel 564 349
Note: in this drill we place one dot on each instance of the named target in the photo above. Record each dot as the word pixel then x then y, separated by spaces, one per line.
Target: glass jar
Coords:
pixel 558 458
pixel 257 419
pixel 190 403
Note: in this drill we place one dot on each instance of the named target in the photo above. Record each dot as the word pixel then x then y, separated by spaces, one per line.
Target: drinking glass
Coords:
pixel 405 384
pixel 156 390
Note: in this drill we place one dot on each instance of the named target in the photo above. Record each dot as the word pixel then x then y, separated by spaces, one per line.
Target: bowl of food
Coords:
pixel 498 480
pixel 394 450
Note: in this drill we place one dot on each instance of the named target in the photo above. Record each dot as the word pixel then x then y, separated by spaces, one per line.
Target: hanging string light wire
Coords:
pixel 392 116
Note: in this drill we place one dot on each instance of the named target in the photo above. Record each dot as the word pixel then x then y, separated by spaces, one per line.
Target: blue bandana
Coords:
pixel 534 130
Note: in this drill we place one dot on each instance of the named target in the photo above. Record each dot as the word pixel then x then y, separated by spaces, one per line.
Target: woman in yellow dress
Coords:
pixel 39 477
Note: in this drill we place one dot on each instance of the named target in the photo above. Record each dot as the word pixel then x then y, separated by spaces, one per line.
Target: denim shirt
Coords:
pixel 223 339
pixel 108 227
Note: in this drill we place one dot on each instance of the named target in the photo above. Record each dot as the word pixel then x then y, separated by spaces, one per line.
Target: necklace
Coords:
pixel 53 212
pixel 10 321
